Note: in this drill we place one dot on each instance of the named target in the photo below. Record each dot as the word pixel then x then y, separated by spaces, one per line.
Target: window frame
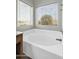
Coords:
pixel 31 20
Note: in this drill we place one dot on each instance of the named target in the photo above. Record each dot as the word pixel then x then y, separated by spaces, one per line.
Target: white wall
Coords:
pixel 38 3
pixel 43 2
pixel 29 2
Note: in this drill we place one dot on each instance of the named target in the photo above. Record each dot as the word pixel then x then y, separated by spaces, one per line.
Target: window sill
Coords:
pixel 24 28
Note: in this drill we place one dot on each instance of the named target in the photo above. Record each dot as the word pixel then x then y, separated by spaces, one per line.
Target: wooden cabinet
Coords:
pixel 19 44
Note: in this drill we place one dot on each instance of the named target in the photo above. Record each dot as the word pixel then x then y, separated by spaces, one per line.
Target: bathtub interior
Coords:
pixel 43 37
pixel 50 33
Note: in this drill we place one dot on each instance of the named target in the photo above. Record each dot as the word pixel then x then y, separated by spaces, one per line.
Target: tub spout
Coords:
pixel 59 39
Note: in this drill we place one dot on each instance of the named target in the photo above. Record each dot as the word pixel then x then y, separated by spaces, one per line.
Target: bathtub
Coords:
pixel 42 44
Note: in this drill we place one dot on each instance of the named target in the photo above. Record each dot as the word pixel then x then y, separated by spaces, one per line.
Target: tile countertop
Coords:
pixel 18 32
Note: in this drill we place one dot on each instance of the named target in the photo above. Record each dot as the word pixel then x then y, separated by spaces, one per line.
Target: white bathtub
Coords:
pixel 42 44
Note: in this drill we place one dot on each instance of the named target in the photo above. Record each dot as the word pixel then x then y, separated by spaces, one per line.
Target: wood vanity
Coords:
pixel 19 43
pixel 19 46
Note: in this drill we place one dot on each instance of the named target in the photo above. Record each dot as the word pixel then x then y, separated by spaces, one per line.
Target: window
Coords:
pixel 25 14
pixel 47 15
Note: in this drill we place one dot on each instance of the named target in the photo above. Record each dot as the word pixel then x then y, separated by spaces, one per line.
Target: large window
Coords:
pixel 25 14
pixel 47 15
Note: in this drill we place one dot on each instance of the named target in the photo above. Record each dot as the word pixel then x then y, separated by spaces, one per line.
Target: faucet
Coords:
pixel 59 39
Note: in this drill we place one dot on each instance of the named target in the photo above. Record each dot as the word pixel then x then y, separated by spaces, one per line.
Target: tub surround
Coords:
pixel 42 44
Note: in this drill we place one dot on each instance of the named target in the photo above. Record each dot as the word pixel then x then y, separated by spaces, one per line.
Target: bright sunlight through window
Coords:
pixel 25 14
pixel 47 15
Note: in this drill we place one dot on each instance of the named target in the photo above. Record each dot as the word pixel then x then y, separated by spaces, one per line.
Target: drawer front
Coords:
pixel 19 38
